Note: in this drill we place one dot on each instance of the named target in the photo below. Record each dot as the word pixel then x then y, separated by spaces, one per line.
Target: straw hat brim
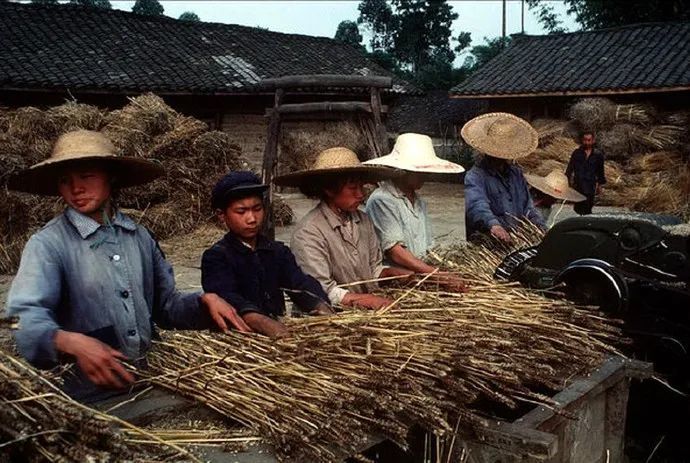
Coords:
pixel 474 133
pixel 42 178
pixel 540 184
pixel 370 174
pixel 439 166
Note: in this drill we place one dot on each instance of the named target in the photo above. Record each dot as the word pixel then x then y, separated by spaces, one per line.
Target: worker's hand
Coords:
pixel 367 301
pixel 500 233
pixel 452 283
pixel 223 313
pixel 263 324
pixel 99 362
pixel 322 309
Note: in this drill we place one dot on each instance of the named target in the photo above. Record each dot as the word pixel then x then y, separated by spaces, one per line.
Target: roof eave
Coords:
pixel 626 91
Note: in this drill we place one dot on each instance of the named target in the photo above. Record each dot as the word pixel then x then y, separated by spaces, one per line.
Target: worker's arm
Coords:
pixel 601 172
pixel 477 205
pixel 400 256
pixel 571 168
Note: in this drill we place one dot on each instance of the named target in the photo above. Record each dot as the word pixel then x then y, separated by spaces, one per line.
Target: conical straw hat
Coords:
pixel 75 148
pixel 415 153
pixel 555 184
pixel 333 161
pixel 500 135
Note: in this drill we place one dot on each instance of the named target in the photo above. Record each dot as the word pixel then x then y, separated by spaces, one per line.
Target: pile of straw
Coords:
pixel 298 148
pixel 646 152
pixel 193 157
pixel 431 358
pixel 39 423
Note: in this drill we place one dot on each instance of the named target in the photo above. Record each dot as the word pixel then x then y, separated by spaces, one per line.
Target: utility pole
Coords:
pixel 522 16
pixel 504 19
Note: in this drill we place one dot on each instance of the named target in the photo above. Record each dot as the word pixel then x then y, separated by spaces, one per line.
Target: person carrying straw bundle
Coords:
pixel 398 212
pixel 247 269
pixel 335 242
pixel 92 282
pixel 550 189
pixel 496 193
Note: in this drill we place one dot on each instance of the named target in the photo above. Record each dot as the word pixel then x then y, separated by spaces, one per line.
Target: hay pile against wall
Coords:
pixel 646 153
pixel 194 158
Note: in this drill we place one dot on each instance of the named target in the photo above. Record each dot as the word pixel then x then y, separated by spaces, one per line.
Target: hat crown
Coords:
pixel 502 128
pixel 80 143
pixel 557 180
pixel 335 158
pixel 414 146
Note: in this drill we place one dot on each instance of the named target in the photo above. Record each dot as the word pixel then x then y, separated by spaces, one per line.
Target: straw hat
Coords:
pixel 332 161
pixel 74 148
pixel 415 152
pixel 555 184
pixel 500 135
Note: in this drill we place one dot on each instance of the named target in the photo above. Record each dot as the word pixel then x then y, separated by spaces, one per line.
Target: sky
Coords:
pixel 321 17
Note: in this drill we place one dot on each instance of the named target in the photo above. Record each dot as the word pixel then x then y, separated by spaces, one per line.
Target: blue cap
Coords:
pixel 236 185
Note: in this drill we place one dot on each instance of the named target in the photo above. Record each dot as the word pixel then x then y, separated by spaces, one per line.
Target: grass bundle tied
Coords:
pixel 618 142
pixel 659 137
pixel 430 358
pixel 39 423
pixel 601 114
pixel 29 123
pixel 550 128
pixel 658 161
pixel 299 148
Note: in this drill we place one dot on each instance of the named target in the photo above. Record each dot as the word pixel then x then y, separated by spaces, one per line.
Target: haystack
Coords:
pixel 298 148
pixel 193 157
pixel 617 142
pixel 601 113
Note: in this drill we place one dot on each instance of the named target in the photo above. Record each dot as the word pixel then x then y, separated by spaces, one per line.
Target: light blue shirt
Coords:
pixel 398 221
pixel 109 282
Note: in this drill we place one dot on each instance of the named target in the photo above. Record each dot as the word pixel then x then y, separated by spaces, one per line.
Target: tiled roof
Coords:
pixel 635 58
pixel 84 49
pixel 434 114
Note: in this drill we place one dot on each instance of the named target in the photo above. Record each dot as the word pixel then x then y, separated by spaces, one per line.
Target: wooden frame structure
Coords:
pixel 319 84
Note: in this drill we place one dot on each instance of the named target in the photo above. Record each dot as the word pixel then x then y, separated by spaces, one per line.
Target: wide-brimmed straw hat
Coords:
pixel 336 161
pixel 500 135
pixel 74 148
pixel 415 153
pixel 555 184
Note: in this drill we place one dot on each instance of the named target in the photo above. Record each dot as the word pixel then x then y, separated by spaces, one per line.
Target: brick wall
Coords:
pixel 249 132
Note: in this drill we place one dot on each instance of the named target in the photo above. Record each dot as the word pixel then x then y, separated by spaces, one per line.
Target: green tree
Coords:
pixel 348 32
pixel 547 16
pixel 482 54
pixel 148 7
pixel 599 14
pixel 189 16
pixel 377 17
pixel 94 3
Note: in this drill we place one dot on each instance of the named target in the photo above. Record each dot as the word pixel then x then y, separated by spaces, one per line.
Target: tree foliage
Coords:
pixel 148 7
pixel 599 14
pixel 377 17
pixel 348 32
pixel 189 16
pixel 93 3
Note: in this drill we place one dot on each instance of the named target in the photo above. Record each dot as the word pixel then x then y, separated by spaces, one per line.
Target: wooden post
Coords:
pixel 379 128
pixel 270 160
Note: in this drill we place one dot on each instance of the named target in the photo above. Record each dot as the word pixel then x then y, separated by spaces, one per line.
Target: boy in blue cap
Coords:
pixel 247 269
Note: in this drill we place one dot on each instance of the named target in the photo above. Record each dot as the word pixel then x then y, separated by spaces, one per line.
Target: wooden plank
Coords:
pixel 611 372
pixel 381 136
pixel 326 80
pixel 269 163
pixel 510 439
pixel 324 106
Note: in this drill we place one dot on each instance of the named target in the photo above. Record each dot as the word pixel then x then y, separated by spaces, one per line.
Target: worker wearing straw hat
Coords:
pixel 92 281
pixel 398 212
pixel 496 193
pixel 335 242
pixel 554 187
